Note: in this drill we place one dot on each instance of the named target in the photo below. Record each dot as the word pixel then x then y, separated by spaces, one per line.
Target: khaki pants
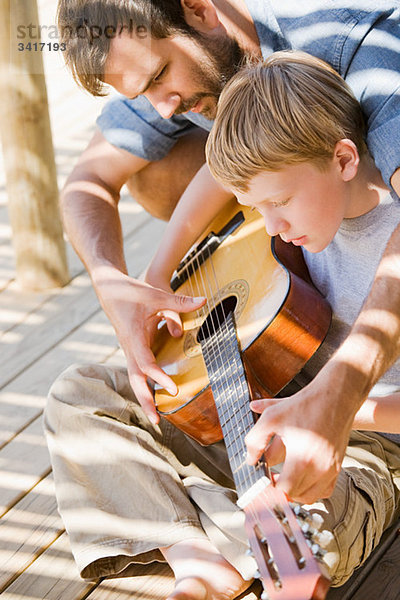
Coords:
pixel 125 487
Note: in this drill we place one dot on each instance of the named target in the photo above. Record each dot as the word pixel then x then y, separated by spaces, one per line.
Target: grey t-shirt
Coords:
pixel 344 273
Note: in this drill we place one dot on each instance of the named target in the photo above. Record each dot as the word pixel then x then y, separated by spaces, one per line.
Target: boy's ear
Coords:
pixel 347 158
pixel 200 14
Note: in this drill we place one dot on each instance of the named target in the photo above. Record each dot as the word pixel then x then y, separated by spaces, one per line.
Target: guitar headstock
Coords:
pixel 285 546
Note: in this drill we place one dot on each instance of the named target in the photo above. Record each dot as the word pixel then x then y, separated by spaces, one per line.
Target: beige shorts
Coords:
pixel 125 487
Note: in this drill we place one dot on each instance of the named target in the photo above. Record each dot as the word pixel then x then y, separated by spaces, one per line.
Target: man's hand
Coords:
pixel 135 310
pixel 314 427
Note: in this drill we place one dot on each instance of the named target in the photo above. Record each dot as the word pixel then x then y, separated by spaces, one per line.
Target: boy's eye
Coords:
pixel 282 203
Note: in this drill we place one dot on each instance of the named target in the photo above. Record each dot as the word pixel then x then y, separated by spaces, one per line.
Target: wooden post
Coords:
pixel 29 156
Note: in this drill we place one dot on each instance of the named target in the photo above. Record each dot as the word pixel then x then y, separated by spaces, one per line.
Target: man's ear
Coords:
pixel 200 14
pixel 347 159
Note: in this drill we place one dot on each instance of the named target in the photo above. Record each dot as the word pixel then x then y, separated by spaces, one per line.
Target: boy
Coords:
pixel 303 163
pixel 288 140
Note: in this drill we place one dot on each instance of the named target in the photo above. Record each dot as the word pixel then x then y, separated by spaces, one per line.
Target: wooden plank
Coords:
pixel 23 463
pixel 53 576
pixel 27 530
pixel 92 341
pixel 155 581
pixel 17 304
pixel 25 397
pixel 48 326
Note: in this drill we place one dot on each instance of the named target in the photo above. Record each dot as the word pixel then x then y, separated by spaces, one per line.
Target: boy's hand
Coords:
pixel 314 426
pixel 135 309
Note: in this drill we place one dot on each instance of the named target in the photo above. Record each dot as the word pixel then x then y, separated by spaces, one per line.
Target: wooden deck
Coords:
pixel 40 335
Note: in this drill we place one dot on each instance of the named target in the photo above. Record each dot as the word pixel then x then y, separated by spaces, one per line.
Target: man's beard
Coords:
pixel 223 58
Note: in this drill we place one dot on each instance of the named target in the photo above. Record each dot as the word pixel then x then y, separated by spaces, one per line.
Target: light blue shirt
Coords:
pixel 359 38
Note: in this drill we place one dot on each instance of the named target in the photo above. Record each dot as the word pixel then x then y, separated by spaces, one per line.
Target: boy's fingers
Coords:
pixel 258 406
pixel 276 451
pixel 304 486
pixel 256 441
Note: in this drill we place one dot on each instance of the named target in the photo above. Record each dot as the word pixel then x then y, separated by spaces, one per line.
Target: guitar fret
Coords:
pixel 231 395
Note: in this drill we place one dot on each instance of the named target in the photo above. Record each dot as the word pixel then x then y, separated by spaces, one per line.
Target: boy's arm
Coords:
pixel 379 414
pixel 317 420
pixel 197 207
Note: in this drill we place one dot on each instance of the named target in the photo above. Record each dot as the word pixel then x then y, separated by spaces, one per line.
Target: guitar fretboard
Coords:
pixel 231 395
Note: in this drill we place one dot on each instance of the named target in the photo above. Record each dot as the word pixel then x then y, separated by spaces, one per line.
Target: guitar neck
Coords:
pixel 231 395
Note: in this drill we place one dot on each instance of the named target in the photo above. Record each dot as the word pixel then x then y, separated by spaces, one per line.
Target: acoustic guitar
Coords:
pixel 262 322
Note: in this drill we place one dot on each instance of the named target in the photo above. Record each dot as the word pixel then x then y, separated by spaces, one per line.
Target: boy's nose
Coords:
pixel 275 226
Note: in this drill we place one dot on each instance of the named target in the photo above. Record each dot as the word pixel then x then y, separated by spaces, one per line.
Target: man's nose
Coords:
pixel 165 104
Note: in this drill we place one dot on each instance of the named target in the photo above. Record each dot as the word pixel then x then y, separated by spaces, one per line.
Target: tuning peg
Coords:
pixel 316 549
pixel 307 529
pixel 324 538
pixel 256 574
pixel 265 596
pixel 316 520
pixel 300 512
pixel 249 552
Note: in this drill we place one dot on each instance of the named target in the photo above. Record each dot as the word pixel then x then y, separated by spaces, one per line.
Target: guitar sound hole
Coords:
pixel 216 318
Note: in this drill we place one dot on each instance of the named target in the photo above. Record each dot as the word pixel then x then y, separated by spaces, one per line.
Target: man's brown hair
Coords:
pixel 289 109
pixel 87 27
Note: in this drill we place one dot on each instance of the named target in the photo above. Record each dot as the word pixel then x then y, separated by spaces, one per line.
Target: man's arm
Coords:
pixel 89 204
pixel 315 423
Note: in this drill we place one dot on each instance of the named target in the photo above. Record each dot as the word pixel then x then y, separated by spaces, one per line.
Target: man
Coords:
pixel 170 56
pixel 129 490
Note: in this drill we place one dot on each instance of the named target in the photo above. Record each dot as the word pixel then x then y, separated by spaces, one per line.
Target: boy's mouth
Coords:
pixel 297 241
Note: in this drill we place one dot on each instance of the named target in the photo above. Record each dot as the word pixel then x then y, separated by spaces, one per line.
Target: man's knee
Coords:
pixel 355 516
pixel 90 387
pixel 159 185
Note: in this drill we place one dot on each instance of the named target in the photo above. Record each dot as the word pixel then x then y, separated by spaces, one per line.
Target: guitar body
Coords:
pixel 281 320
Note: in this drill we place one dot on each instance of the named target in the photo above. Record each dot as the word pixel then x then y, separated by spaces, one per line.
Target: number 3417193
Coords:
pixel 41 47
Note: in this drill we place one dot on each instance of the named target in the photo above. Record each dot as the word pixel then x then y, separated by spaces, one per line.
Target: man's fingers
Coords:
pixel 145 396
pixel 174 323
pixel 184 303
pixel 142 362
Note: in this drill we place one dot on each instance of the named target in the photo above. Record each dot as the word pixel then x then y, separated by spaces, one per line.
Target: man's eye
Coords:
pixel 161 73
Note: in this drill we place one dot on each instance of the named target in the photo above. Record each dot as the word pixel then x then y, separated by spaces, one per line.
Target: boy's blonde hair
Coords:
pixel 289 109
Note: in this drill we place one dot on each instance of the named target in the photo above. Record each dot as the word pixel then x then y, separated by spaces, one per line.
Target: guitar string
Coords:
pixel 240 392
pixel 241 424
pixel 231 393
pixel 211 305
